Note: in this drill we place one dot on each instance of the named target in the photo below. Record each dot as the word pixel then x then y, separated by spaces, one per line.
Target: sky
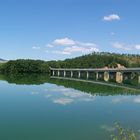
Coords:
pixel 60 29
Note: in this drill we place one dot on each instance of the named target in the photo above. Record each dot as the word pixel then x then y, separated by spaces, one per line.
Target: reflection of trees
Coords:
pixel 95 89
pixel 25 79
pixel 36 79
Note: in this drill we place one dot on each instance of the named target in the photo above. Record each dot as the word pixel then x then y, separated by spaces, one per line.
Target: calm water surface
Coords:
pixel 56 112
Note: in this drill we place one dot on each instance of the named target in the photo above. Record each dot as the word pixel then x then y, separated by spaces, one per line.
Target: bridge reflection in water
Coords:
pixel 118 75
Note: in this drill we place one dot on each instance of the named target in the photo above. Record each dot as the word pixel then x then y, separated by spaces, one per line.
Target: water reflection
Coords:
pixel 25 79
pixel 65 92
pixel 40 106
pixel 64 96
pixel 107 128
pixel 94 89
pixel 126 99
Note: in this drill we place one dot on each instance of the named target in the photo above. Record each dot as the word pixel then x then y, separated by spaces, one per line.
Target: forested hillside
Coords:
pixel 94 60
pixel 24 66
pixel 98 60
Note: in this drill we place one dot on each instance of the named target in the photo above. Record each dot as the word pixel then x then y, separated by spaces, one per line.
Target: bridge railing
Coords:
pixel 118 74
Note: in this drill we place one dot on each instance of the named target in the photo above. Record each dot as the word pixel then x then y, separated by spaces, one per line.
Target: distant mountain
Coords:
pixel 2 60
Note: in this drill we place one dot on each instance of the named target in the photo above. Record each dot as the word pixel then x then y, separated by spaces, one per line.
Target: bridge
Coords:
pixel 107 74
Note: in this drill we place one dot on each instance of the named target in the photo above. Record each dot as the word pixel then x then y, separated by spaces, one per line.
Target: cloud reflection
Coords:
pixel 63 101
pixel 124 99
pixel 64 96
pixel 137 100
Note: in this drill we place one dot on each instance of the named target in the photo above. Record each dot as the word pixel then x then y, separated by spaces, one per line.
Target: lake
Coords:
pixel 36 107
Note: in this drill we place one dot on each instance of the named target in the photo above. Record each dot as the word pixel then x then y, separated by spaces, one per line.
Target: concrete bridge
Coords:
pixel 107 74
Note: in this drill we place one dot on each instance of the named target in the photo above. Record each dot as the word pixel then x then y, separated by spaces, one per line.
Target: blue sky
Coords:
pixel 59 29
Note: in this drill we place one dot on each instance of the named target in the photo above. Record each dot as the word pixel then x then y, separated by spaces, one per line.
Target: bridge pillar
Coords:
pixel 71 74
pixel 58 73
pixel 97 75
pixel 53 72
pixel 127 75
pixel 64 73
pixel 79 74
pixel 119 77
pixel 138 78
pixel 87 74
pixel 112 76
pixel 106 76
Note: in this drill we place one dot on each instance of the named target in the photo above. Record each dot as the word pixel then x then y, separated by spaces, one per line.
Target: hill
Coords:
pixel 99 60
pixel 2 60
pixel 94 60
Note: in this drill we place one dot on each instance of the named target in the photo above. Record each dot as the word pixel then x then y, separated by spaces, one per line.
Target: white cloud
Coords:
pixel 71 46
pixel 50 45
pixel 126 47
pixel 82 44
pixel 121 46
pixel 36 48
pixel 111 17
pixel 80 49
pixel 137 47
pixel 76 49
pixel 61 52
pixel 64 42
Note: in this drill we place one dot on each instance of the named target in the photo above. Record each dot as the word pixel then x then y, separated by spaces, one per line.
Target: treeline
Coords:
pixel 94 60
pixel 99 60
pixel 24 66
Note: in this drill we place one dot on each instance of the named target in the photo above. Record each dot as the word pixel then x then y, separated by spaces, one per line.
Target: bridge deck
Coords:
pixel 99 70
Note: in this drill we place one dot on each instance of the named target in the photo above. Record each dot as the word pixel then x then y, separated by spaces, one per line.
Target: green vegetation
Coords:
pixel 91 88
pixel 24 66
pixel 94 89
pixel 94 60
pixel 123 134
pixel 25 79
pixel 1 67
pixel 98 60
